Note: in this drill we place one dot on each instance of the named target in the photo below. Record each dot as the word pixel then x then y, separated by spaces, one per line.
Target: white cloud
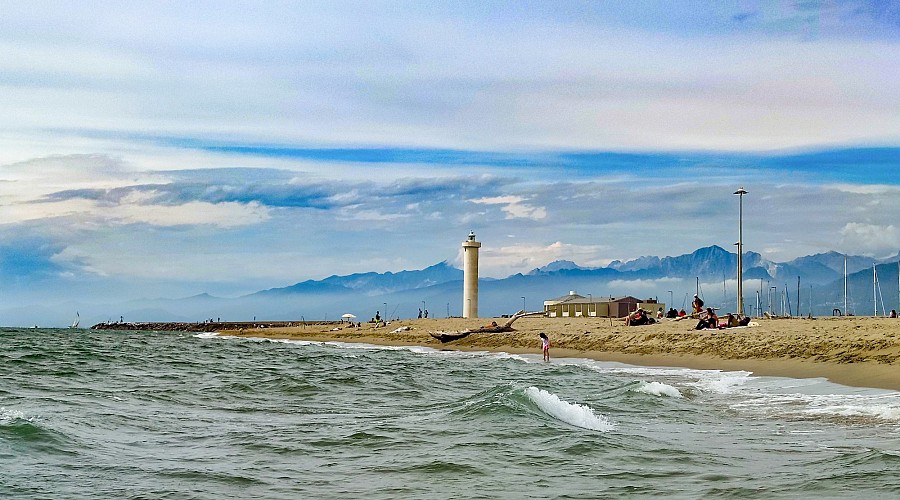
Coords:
pixel 369 215
pixel 89 212
pixel 534 78
pixel 438 77
pixel 29 181
pixel 506 260
pixel 864 189
pixel 514 207
pixel 227 214
pixel 16 212
pixel 26 183
pixel 870 239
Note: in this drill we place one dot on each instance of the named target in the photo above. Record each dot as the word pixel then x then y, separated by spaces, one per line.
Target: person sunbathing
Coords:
pixel 708 320
pixel 638 318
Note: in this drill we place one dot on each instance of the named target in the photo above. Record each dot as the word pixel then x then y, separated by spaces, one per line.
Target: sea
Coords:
pixel 148 415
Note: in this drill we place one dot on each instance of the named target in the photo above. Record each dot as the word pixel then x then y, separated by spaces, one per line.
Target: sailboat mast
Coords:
pixel 845 286
pixel 875 288
pixel 810 301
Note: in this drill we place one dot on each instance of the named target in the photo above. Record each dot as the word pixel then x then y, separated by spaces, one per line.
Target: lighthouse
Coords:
pixel 470 276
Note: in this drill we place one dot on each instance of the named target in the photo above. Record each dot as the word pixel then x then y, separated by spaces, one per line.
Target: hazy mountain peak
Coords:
pixel 556 265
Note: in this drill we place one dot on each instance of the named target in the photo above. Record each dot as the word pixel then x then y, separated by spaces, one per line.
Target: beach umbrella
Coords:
pixel 348 316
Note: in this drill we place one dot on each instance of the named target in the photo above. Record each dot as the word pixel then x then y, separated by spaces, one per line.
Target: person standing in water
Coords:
pixel 545 346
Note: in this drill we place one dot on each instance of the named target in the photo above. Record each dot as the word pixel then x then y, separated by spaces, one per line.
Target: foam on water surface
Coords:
pixel 771 397
pixel 368 421
pixel 889 413
pixel 570 413
pixel 659 389
pixel 8 416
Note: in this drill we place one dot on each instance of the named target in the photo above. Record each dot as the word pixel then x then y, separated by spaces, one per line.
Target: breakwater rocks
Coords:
pixel 207 326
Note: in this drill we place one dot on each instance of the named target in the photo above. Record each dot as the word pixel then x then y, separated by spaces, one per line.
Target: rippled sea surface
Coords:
pixel 90 414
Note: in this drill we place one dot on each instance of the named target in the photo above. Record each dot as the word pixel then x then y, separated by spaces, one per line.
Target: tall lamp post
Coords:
pixel 523 304
pixel 740 260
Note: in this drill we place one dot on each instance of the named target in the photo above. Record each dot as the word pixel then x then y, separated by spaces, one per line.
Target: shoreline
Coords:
pixel 853 351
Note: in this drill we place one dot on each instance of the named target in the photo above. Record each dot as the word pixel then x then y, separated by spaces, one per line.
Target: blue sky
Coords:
pixel 167 149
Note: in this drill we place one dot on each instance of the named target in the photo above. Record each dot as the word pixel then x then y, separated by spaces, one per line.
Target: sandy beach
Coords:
pixel 855 351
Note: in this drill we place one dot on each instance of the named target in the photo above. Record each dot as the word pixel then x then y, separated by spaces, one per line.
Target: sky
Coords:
pixel 165 149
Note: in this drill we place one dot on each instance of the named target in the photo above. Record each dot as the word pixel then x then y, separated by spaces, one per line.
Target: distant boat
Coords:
pixel 77 320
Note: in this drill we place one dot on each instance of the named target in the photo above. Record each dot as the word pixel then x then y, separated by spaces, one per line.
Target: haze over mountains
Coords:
pixel 438 288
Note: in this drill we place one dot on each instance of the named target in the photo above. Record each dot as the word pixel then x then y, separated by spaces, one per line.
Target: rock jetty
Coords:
pixel 207 326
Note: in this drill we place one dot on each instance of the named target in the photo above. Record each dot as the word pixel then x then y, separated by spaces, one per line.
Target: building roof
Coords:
pixel 570 298
pixel 574 298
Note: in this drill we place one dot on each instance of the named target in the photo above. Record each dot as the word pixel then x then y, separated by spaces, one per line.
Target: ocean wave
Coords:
pixel 429 351
pixel 709 381
pixel 837 408
pixel 488 401
pixel 8 417
pixel 718 382
pixel 659 389
pixel 25 435
pixel 570 413
pixel 888 413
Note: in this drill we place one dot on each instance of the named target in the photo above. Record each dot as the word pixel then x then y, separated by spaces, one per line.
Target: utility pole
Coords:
pixel 740 257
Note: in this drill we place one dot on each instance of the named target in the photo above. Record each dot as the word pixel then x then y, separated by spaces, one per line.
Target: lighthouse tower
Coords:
pixel 470 276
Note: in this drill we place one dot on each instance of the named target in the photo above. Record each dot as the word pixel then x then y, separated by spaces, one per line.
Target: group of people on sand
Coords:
pixel 709 320
pixel 672 313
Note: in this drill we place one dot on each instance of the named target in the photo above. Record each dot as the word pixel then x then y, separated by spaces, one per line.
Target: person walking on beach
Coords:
pixel 545 346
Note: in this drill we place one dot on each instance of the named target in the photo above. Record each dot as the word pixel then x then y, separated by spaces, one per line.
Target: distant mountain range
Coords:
pixel 372 284
pixel 438 288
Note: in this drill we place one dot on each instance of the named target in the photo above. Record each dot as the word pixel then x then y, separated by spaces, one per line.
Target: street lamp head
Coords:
pixel 740 191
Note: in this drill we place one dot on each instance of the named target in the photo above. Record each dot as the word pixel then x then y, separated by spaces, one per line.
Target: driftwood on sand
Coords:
pixel 445 337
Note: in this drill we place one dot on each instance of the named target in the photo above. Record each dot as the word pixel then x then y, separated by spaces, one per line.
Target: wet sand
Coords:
pixel 855 351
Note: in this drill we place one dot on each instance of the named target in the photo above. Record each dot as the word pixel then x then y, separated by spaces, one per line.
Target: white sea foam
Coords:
pixel 10 416
pixel 206 335
pixel 885 406
pixel 866 405
pixel 428 351
pixel 659 389
pixel 889 413
pixel 720 382
pixel 517 357
pixel 570 413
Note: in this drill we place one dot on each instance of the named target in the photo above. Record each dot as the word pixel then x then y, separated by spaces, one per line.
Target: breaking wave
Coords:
pixel 570 413
pixel 659 389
